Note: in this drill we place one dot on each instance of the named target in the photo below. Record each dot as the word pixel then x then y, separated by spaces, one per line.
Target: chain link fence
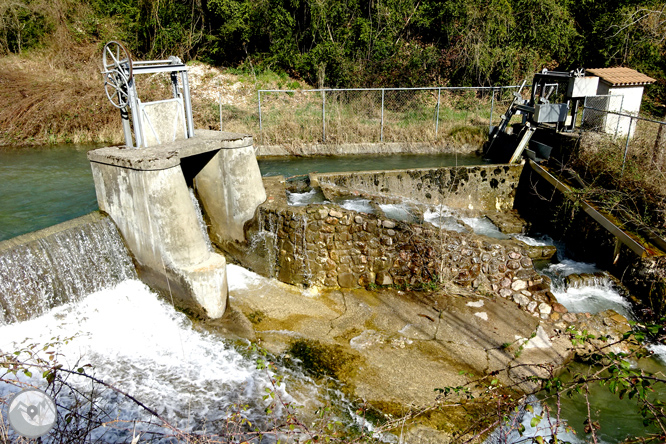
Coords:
pixel 642 138
pixel 338 116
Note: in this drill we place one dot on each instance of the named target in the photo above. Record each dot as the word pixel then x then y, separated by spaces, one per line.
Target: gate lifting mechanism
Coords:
pixel 154 123
pixel 538 112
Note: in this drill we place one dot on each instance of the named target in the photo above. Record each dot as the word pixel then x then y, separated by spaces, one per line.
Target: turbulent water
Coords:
pixel 141 345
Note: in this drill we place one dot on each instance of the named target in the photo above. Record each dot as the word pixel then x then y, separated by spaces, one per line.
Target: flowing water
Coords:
pixel 192 378
pixel 299 166
pixel 44 270
pixel 194 375
pixel 43 187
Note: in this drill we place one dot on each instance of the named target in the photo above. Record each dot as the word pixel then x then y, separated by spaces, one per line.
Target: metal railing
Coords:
pixel 371 115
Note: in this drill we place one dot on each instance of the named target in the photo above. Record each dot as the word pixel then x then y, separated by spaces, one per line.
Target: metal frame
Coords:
pixel 119 75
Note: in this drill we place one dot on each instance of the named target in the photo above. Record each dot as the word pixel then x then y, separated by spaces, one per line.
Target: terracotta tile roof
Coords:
pixel 620 76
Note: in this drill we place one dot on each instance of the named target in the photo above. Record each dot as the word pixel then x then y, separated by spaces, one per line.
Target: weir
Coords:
pixel 60 264
pixel 145 191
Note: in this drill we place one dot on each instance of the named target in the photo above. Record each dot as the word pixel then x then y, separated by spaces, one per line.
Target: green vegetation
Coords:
pixel 50 54
pixel 350 43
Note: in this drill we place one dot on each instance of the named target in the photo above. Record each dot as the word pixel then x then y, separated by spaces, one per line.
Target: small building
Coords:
pixel 620 90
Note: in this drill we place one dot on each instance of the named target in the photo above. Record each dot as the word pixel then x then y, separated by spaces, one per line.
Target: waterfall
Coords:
pixel 200 219
pixel 50 267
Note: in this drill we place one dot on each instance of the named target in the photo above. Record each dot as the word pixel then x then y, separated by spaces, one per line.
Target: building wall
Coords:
pixel 632 97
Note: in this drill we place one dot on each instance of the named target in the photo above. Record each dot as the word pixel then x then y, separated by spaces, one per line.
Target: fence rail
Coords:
pixel 371 115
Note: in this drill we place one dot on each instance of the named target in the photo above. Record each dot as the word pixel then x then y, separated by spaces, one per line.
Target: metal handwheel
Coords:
pixel 117 71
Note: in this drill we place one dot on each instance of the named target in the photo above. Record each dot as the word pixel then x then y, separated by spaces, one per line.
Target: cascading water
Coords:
pixel 48 268
pixel 200 219
pixel 581 287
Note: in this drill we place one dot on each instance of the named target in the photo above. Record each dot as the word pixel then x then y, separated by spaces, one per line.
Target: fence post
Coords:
pixel 381 130
pixel 492 108
pixel 439 95
pixel 617 127
pixel 323 115
pixel 220 102
pixel 260 125
pixel 626 146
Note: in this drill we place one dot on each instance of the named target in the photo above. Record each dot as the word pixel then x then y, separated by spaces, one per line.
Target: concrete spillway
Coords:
pixel 145 191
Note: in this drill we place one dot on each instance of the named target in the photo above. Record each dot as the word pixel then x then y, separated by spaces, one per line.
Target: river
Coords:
pixel 195 375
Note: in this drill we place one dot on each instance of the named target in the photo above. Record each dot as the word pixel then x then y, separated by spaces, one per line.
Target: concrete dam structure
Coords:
pixel 145 192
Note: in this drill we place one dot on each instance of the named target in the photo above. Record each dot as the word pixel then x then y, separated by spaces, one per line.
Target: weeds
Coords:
pixel 634 191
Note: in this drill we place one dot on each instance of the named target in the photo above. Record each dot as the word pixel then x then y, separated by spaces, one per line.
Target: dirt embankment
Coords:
pixel 59 98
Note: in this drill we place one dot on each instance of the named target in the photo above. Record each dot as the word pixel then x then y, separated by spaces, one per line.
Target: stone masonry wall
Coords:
pixel 326 245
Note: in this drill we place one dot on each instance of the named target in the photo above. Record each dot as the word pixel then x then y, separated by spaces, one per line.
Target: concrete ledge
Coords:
pixel 161 157
pixel 45 232
pixel 478 187
pixel 341 149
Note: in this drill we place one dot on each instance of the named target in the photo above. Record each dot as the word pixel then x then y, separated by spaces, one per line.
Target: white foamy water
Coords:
pixel 536 242
pixel 602 295
pixel 567 266
pixel 398 212
pixel 442 217
pixel 141 345
pixel 593 299
pixel 360 205
pixel 483 226
pixel 659 351
pixel 305 198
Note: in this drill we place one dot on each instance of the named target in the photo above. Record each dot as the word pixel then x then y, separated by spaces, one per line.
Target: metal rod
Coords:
pixel 381 131
pixel 431 88
pixel 220 111
pixel 261 128
pixel 626 115
pixel 439 96
pixel 188 105
pixel 127 128
pixel 323 115
pixel 492 108
pixel 617 127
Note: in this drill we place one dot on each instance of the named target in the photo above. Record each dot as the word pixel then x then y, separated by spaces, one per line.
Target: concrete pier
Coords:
pixel 145 191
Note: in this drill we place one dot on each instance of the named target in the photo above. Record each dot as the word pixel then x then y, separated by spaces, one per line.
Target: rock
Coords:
pixel 545 309
pixel 519 285
pixel 505 292
pixel 383 278
pixel 520 299
pixel 531 306
pixel 335 213
pixel 569 317
pixel 559 308
pixel 346 280
pixel 388 224
pixel 555 317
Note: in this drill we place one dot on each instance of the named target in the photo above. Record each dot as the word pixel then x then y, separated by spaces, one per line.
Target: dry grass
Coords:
pixel 50 102
pixel 637 193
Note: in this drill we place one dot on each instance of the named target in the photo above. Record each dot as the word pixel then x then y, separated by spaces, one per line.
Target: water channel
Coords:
pixel 195 374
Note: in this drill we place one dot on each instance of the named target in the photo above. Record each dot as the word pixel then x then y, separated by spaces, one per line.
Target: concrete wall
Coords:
pixel 157 219
pixel 145 191
pixel 486 187
pixel 230 189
